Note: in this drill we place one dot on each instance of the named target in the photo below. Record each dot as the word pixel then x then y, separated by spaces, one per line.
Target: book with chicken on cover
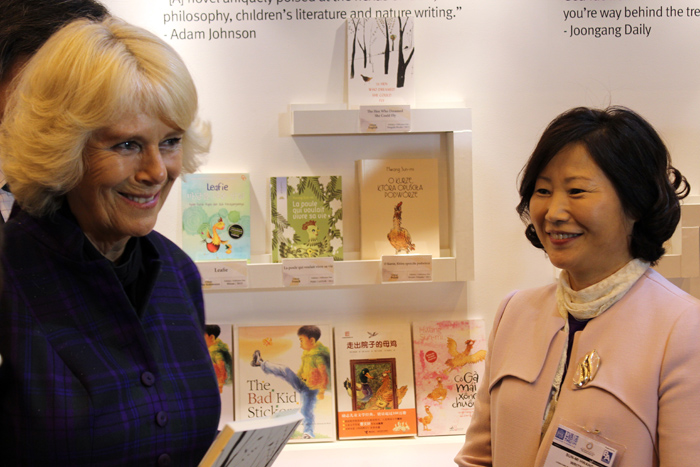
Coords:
pixel 251 443
pixel 449 364
pixel 374 379
pixel 284 368
pixel 216 216
pixel 307 217
pixel 219 339
pixel 399 207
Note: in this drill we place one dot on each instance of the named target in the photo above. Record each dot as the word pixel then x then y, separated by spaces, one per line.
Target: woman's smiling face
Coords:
pixel 130 168
pixel 579 218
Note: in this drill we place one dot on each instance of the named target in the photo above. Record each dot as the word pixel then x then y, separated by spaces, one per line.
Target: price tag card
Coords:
pixel 407 268
pixel 304 272
pixel 385 119
pixel 223 274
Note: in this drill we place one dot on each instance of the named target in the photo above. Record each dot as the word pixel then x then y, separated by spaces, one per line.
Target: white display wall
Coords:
pixel 515 64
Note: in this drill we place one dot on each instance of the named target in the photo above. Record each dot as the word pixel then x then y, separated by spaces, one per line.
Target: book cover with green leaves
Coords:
pixel 307 217
pixel 216 216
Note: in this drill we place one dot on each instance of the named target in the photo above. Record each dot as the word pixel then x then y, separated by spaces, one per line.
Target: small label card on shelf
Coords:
pixel 304 272
pixel 223 274
pixel 407 268
pixel 385 119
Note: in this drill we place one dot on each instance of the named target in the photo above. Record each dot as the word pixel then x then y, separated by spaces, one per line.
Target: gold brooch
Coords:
pixel 587 369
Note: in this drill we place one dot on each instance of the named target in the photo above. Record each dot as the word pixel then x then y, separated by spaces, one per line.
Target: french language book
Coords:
pixel 219 339
pixel 399 207
pixel 449 365
pixel 216 216
pixel 307 217
pixel 251 443
pixel 380 61
pixel 374 380
pixel 282 368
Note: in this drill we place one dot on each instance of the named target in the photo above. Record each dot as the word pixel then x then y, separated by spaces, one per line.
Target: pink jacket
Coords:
pixel 645 396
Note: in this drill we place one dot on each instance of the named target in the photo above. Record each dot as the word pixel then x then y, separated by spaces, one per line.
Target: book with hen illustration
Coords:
pixel 374 380
pixel 449 360
pixel 216 216
pixel 307 217
pixel 399 207
pixel 219 339
pixel 287 367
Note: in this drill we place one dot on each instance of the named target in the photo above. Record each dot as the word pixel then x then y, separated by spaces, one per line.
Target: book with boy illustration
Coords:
pixel 216 216
pixel 399 207
pixel 219 339
pixel 252 443
pixel 374 380
pixel 307 217
pixel 286 367
pixel 449 360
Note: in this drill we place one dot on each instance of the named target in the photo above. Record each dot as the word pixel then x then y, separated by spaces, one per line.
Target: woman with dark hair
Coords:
pixel 601 366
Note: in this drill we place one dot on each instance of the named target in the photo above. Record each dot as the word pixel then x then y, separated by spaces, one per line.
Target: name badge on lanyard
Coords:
pixel 575 446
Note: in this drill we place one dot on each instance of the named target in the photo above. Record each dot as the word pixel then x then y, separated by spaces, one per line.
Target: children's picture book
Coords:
pixel 307 217
pixel 449 359
pixel 216 216
pixel 219 339
pixel 251 443
pixel 399 207
pixel 380 55
pixel 374 380
pixel 284 368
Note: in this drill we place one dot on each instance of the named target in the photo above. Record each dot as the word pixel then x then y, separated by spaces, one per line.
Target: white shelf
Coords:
pixel 455 124
pixel 422 451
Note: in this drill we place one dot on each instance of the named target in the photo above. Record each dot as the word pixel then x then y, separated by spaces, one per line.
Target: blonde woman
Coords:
pixel 101 318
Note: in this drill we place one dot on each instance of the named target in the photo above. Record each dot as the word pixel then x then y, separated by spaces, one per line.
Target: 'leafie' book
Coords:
pixel 307 217
pixel 399 207
pixel 449 364
pixel 216 216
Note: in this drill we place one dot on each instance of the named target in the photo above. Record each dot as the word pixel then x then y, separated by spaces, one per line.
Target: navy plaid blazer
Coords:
pixel 84 380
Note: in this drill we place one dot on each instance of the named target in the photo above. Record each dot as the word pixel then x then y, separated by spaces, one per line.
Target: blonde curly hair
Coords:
pixel 88 76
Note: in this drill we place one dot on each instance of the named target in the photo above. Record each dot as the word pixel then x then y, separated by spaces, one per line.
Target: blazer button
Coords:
pixel 148 379
pixel 162 418
pixel 164 460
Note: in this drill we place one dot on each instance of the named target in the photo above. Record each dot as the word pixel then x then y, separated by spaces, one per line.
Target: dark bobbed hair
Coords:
pixel 310 331
pixel 26 25
pixel 633 157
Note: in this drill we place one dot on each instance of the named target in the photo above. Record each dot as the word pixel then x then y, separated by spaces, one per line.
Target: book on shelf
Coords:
pixel 374 380
pixel 399 207
pixel 216 216
pixel 283 368
pixel 307 217
pixel 449 364
pixel 251 443
pixel 219 339
pixel 380 55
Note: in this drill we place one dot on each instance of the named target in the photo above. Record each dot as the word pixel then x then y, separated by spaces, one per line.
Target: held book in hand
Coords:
pixel 252 443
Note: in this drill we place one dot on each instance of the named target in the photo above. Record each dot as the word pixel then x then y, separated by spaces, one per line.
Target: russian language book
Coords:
pixel 374 380
pixel 307 217
pixel 216 216
pixel 282 368
pixel 219 339
pixel 449 365
pixel 380 61
pixel 399 207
